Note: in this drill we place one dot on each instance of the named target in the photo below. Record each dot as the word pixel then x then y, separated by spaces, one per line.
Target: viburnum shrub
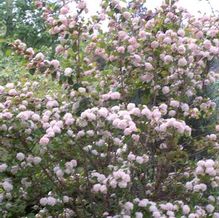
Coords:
pixel 131 133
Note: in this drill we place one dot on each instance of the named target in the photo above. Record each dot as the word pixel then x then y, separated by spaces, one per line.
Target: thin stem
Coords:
pixel 212 9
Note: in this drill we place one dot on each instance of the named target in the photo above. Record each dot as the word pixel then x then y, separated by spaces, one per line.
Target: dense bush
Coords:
pixel 130 134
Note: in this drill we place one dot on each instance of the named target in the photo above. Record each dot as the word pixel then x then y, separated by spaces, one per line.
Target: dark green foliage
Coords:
pixel 20 19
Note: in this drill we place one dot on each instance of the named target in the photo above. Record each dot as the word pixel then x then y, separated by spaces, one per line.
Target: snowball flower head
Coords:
pixel 20 156
pixel 68 71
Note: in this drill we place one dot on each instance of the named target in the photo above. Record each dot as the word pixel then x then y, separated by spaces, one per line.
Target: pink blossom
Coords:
pixel 7 186
pixel 59 49
pixel 167 40
pixel 121 49
pixel 68 71
pixel 154 44
pixel 3 167
pixel 126 15
pixel 122 35
pixel 165 90
pixel 182 62
pixel 55 63
pixel 39 56
pixel 20 156
pixel 12 92
pixel 44 141
pixel 115 95
pixel 81 5
pixel 64 10
pixel 103 112
pixel 168 59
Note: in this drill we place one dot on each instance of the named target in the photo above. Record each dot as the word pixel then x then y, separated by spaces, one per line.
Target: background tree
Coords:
pixel 21 19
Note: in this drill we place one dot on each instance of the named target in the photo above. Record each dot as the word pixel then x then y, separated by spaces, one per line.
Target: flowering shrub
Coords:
pixel 129 134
